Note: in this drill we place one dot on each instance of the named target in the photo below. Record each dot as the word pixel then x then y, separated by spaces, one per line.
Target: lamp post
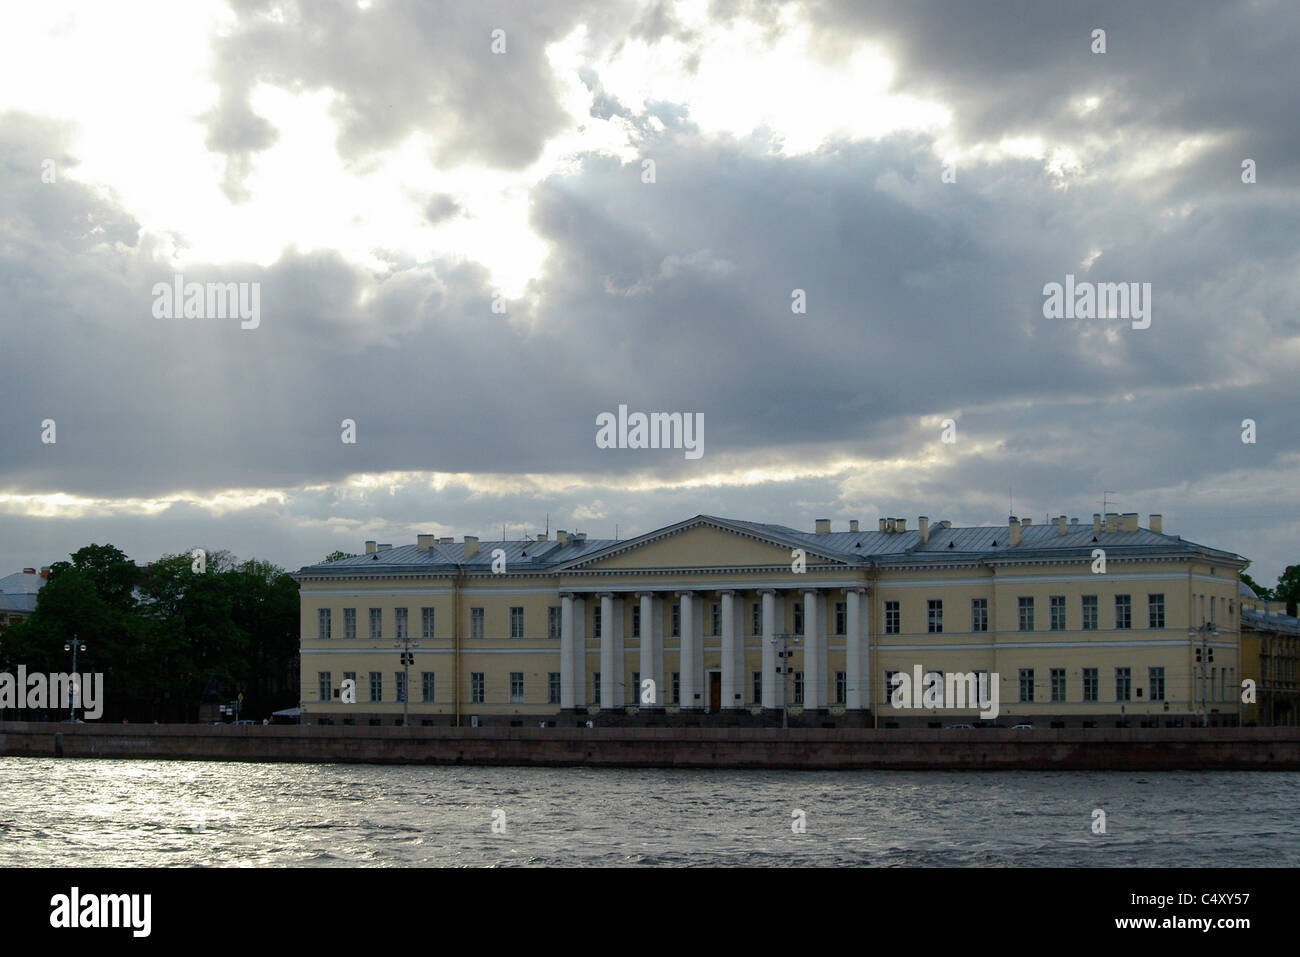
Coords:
pixel 781 642
pixel 1205 656
pixel 408 658
pixel 73 646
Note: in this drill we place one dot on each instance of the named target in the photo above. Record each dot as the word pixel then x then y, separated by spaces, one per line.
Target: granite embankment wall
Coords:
pixel 828 748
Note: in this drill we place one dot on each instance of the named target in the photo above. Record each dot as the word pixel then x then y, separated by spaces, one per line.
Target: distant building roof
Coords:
pixel 1245 591
pixel 1261 621
pixel 18 592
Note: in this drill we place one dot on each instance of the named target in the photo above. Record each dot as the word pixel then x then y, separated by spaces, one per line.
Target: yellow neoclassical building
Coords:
pixel 715 620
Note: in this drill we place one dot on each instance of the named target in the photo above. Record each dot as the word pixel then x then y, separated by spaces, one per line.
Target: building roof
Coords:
pixel 18 592
pixel 978 543
pixel 1262 621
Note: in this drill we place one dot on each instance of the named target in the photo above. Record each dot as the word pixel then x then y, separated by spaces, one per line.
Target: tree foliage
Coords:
pixel 164 636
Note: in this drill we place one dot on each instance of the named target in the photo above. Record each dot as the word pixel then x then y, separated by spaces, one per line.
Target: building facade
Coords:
pixel 715 620
pixel 1270 654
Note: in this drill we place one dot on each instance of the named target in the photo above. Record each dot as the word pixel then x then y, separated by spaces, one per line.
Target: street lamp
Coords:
pixel 408 658
pixel 73 647
pixel 1204 655
pixel 781 641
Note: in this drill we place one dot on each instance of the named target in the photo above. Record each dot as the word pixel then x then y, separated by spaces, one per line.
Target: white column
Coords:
pixel 579 665
pixel 855 657
pixel 648 669
pixel 689 686
pixel 770 699
pixel 814 653
pixel 657 659
pixel 567 660
pixel 742 675
pixel 730 680
pixel 608 679
pixel 620 662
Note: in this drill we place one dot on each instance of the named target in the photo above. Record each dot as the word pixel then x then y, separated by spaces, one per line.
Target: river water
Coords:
pixel 121 813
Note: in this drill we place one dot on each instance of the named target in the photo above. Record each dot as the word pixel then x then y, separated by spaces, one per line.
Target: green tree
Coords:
pixel 1288 588
pixel 337 556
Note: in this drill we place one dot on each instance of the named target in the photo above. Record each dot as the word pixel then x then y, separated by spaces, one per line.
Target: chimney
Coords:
pixel 1026 522
pixel 923 523
pixel 541 536
pixel 384 548
pixel 823 526
pixel 370 548
pixel 45 569
pixel 562 537
pixel 1096 523
pixel 884 524
pixel 29 571
pixel 945 524
pixel 1157 524
pixel 471 546
pixel 1130 522
pixel 1013 531
pixel 853 525
pixel 447 541
pixel 1112 521
pixel 900 524
pixel 424 542
pixel 1059 522
pixel 1074 521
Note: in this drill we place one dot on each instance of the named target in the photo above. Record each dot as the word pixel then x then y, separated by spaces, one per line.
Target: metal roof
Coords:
pixel 982 542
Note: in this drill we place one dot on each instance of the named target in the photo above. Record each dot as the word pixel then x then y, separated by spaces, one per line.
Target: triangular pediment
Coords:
pixel 699 543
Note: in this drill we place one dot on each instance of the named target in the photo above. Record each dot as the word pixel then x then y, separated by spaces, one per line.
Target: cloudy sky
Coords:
pixel 471 243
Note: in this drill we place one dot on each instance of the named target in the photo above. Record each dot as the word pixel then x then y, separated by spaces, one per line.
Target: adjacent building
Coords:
pixel 18 595
pixel 1270 653
pixel 716 620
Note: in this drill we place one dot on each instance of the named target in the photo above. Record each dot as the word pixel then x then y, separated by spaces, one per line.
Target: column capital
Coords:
pixel 732 592
pixel 767 591
pixel 810 589
pixel 605 594
pixel 858 590
pixel 647 594
pixel 685 594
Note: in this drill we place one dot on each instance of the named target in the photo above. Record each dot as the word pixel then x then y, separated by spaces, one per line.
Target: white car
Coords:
pixel 1022 727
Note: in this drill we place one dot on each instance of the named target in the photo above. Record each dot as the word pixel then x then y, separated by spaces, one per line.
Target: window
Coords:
pixel 595 618
pixel 889 686
pixel 798 687
pixel 376 622
pixel 798 617
pixel 756 618
pixel 841 687
pixel 757 681
pixel 676 620
pixel 351 676
pixel 400 681
pixel 715 619
pixel 476 695
pixel 349 622
pixel 1156 611
pixel 1156 682
pixel 426 686
pixel 324 685
pixel 516 621
pixel 1058 684
pixel 892 617
pixel 554 621
pixel 400 621
pixel 552 687
pixel 516 687
pixel 1089 612
pixel 677 687
pixel 934 615
pixel 1026 613
pixel 1123 611
pixel 1026 684
pixel 323 623
pixel 595 687
pixel 476 622
pixel 1056 608
pixel 636 620
pixel 979 614
pixel 1089 684
pixel 1123 684
pixel 841 618
pixel 426 623
pixel 376 686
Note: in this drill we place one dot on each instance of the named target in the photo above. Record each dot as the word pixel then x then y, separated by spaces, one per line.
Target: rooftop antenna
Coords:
pixel 548 524
pixel 616 531
pixel 1105 507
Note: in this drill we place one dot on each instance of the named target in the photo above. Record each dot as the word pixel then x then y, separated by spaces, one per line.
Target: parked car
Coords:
pixel 964 727
pixel 1022 727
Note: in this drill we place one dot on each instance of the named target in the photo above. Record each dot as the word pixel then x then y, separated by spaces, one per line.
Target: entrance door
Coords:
pixel 715 691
